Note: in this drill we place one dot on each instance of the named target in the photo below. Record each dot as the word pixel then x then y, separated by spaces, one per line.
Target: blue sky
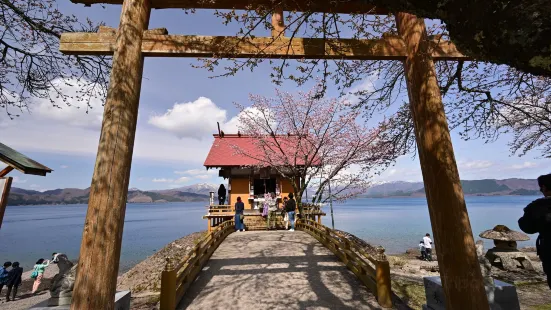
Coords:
pixel 172 145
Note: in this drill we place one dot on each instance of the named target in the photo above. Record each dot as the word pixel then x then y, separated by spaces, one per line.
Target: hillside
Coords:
pixel 488 187
pixel 20 196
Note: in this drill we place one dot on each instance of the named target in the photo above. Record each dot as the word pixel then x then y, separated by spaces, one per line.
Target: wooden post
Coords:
pixel 5 171
pixel 168 287
pixel 461 275
pixel 382 278
pixel 98 265
pixel 5 185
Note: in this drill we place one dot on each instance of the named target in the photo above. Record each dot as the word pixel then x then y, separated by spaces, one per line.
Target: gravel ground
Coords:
pixel 24 299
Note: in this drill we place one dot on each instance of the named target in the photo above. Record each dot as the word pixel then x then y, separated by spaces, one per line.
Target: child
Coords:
pixel 422 249
pixel 4 275
pixel 14 280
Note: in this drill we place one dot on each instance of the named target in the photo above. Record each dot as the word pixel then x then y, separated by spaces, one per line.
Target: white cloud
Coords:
pixel 195 119
pixel 525 165
pixel 203 177
pixel 474 164
pixel 64 166
pixel 77 113
pixel 197 171
pixel 18 180
pixel 165 180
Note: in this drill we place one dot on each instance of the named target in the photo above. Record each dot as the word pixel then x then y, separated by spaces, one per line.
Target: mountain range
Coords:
pixel 200 192
pixel 487 187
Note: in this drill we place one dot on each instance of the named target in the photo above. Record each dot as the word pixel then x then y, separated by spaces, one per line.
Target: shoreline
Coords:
pixel 207 200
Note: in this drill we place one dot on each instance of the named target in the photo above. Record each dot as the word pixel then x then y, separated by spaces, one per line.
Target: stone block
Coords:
pixel 122 302
pixel 501 295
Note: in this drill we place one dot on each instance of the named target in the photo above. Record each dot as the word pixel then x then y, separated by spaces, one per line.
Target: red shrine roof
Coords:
pixel 240 150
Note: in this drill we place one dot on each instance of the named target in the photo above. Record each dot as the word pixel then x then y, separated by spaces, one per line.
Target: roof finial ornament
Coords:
pixel 221 134
pixel 239 134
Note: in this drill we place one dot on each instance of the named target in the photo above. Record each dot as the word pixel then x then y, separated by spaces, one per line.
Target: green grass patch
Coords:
pixel 542 307
pixel 411 293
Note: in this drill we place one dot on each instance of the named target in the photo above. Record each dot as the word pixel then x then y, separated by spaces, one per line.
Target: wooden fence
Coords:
pixel 374 272
pixel 175 280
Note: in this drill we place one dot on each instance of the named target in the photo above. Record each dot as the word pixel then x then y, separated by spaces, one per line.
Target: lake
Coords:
pixel 31 232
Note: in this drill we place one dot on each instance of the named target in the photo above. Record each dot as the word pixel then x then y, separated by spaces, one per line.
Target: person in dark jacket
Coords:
pixel 14 280
pixel 537 219
pixel 291 207
pixel 239 209
pixel 221 194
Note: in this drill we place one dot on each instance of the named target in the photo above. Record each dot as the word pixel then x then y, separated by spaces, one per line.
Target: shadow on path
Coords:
pixel 276 270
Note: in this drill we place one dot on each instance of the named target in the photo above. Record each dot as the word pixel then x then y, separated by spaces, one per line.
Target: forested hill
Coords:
pixel 20 196
pixel 488 187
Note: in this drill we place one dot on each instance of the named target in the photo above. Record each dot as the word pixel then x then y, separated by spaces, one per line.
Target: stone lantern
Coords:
pixel 505 250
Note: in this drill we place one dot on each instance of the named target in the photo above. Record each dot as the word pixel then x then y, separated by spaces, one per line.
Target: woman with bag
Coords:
pixel 38 273
pixel 239 216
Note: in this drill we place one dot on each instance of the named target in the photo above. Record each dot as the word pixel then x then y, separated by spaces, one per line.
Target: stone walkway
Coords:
pixel 276 270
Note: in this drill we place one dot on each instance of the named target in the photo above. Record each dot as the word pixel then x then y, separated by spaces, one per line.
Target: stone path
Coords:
pixel 276 270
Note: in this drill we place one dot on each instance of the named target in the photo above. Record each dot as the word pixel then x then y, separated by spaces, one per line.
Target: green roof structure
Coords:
pixel 18 161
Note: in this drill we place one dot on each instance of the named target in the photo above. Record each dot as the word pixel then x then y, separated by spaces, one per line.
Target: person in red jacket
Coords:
pixel 537 219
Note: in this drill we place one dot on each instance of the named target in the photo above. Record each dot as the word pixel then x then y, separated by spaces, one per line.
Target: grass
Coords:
pixel 542 307
pixel 411 293
pixel 396 261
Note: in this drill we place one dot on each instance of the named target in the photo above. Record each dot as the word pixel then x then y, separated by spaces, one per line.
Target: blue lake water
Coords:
pixel 31 232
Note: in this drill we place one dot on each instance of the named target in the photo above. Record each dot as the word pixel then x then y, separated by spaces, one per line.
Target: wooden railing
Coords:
pixel 175 280
pixel 374 272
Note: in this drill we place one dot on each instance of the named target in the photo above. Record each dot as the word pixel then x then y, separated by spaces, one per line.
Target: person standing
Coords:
pixel 291 207
pixel 14 280
pixel 4 274
pixel 38 272
pixel 221 194
pixel 427 243
pixel 537 219
pixel 422 249
pixel 271 204
pixel 239 215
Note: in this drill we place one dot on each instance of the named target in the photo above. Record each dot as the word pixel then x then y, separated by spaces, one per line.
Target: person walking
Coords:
pixel 14 280
pixel 38 273
pixel 291 207
pixel 221 194
pixel 239 216
pixel 427 243
pixel 537 219
pixel 4 275
pixel 284 213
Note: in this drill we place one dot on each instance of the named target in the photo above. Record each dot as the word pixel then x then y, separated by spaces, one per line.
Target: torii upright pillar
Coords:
pixel 460 272
pixel 98 265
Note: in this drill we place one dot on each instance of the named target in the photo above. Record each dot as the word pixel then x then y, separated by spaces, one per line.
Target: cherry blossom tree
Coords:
pixel 478 94
pixel 310 141
pixel 31 65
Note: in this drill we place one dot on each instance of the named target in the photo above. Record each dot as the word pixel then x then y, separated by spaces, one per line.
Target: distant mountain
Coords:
pixel 20 196
pixel 200 192
pixel 488 187
pixel 201 188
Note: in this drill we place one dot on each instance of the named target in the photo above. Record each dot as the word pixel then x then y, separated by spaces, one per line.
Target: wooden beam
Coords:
pixel 98 265
pixel 322 6
pixel 460 272
pixel 5 171
pixel 388 48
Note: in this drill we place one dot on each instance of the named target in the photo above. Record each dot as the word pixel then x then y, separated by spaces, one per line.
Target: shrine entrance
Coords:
pixel 132 41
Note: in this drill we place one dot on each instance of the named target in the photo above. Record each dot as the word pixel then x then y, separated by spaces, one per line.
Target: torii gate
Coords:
pixel 101 241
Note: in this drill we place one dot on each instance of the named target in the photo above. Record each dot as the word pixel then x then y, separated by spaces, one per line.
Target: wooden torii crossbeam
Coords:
pixel 102 237
pixel 164 45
